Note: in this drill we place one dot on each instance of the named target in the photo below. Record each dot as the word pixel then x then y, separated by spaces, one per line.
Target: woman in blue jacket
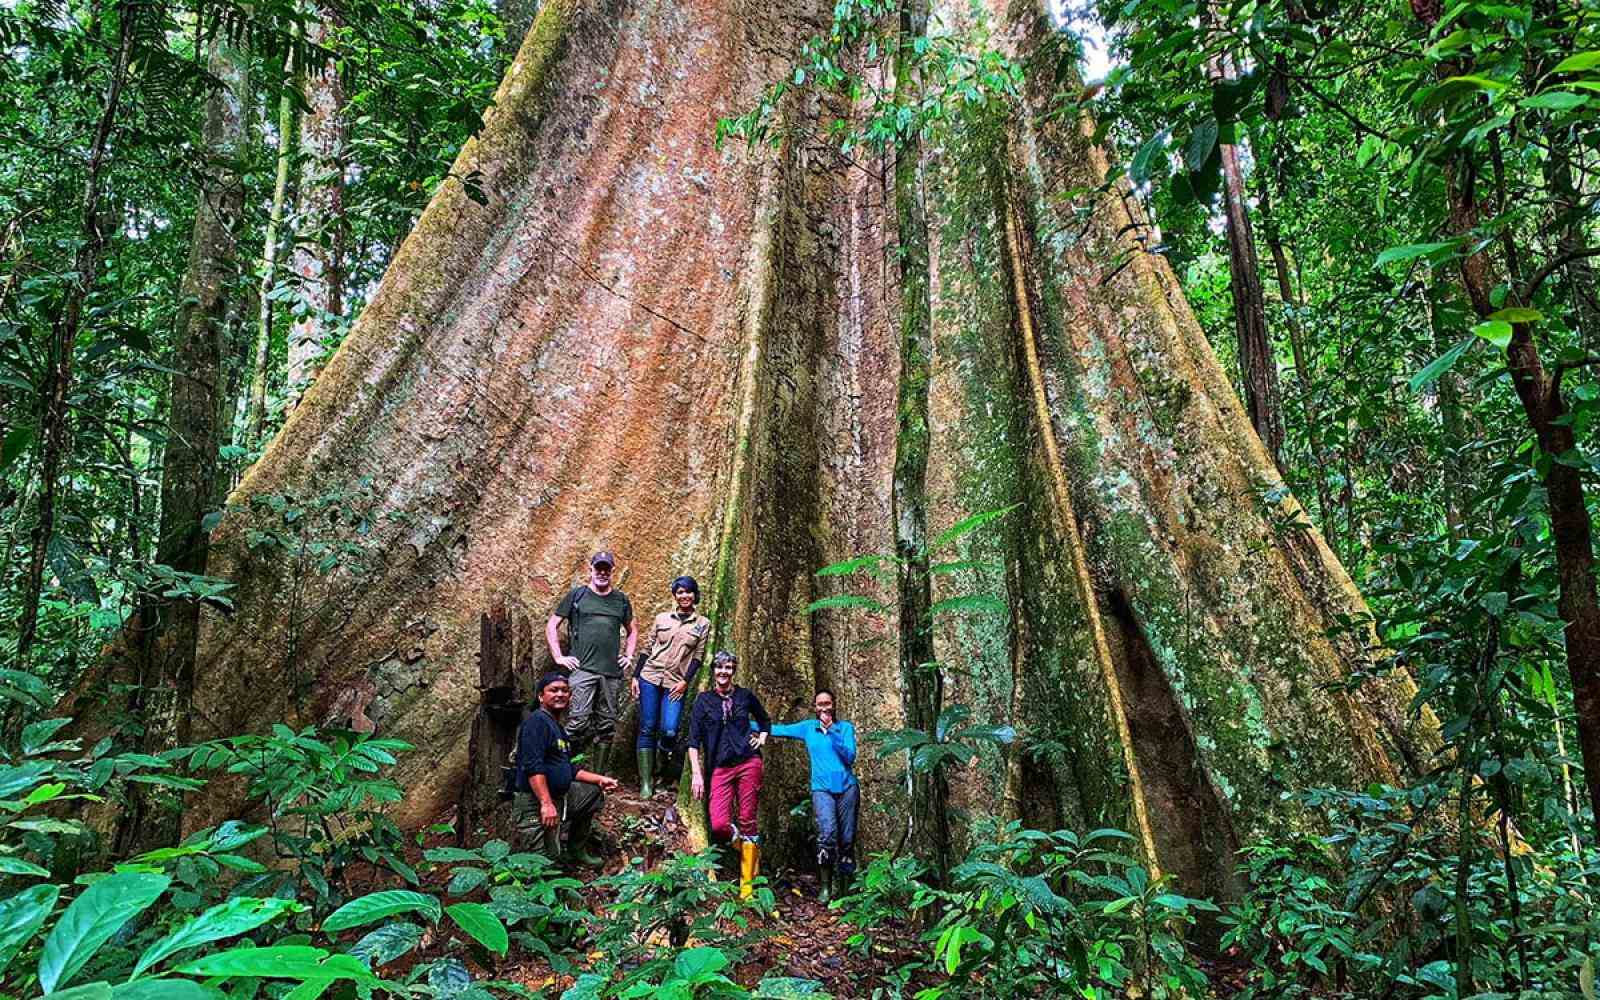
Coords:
pixel 835 793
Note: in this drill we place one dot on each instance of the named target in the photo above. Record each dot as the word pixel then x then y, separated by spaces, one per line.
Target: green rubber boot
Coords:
pixel 600 755
pixel 825 883
pixel 647 773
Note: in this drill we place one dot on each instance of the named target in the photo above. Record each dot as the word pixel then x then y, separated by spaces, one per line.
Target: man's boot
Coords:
pixel 825 883
pixel 600 756
pixel 647 773
pixel 749 867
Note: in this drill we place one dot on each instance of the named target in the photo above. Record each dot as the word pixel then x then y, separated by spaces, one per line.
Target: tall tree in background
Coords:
pixel 317 262
pixel 53 416
pixel 1472 181
pixel 255 406
pixel 198 423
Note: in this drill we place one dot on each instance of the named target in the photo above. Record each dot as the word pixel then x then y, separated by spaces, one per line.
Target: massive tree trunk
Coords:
pixel 695 356
pixel 197 427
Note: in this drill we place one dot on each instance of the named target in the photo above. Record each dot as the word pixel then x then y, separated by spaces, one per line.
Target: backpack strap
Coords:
pixel 572 619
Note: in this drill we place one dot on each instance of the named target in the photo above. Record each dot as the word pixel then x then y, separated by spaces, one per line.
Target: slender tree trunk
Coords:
pixel 318 258
pixel 64 336
pixel 195 433
pixel 1539 391
pixel 256 415
pixel 1258 369
pixel 1293 307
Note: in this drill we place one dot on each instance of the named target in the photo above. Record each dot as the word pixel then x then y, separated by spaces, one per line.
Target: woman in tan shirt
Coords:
pixel 662 675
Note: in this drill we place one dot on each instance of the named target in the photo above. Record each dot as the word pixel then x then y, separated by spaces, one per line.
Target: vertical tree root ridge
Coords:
pixel 1071 538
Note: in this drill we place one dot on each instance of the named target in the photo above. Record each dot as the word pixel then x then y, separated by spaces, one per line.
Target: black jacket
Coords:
pixel 726 743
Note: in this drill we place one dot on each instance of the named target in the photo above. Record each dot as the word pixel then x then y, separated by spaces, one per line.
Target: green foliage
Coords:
pixel 325 795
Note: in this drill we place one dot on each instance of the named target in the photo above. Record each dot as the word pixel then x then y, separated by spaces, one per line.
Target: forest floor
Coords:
pixel 801 937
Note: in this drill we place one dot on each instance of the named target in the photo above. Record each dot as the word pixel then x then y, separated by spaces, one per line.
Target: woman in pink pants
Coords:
pixel 720 741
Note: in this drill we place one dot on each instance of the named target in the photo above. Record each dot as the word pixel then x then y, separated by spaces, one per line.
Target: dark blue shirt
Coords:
pixel 726 742
pixel 542 748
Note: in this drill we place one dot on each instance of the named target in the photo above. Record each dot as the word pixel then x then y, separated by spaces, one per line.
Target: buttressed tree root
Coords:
pixel 695 356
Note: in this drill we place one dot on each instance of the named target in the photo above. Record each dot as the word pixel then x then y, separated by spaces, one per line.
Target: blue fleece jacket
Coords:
pixel 832 753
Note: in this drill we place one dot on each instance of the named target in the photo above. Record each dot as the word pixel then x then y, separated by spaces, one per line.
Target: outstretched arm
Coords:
pixel 789 730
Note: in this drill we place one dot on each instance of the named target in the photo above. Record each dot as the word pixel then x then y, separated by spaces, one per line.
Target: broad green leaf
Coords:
pixel 465 880
pixel 311 989
pixel 378 906
pixel 21 916
pixel 387 943
pixel 480 922
pixel 17 866
pixel 284 961
pixel 91 920
pixel 1518 314
pixel 88 991
pixel 23 687
pixel 1495 331
pixel 1411 251
pixel 1139 169
pixel 692 962
pixel 165 989
pixel 1438 366
pixel 1554 100
pixel 236 916
pixel 1202 141
pixel 1578 62
pixel 22 777
pixel 38 734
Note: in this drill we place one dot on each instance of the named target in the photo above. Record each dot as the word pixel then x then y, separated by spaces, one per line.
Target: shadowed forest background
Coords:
pixel 1185 479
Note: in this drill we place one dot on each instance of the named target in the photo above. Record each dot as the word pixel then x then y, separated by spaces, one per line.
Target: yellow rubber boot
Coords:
pixel 749 867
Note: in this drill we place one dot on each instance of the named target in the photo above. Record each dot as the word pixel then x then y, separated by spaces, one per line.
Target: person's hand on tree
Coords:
pixel 697 787
pixel 549 816
pixel 678 690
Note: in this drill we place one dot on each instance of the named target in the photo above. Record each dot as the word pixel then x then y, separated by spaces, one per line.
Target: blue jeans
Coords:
pixel 835 813
pixel 657 713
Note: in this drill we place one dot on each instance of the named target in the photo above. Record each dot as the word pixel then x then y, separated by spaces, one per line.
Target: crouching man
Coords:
pixel 556 802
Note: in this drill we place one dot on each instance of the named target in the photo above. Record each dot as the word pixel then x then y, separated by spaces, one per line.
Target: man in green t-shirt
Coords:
pixel 597 617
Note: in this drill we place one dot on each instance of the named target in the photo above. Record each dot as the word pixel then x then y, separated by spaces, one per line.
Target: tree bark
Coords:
pixel 697 356
pixel 196 429
pixel 318 258
pixel 53 417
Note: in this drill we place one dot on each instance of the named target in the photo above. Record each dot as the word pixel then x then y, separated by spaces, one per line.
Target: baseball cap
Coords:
pixel 603 556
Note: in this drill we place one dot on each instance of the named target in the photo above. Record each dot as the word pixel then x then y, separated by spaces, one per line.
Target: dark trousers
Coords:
pixel 835 813
pixel 578 809
pixel 658 716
